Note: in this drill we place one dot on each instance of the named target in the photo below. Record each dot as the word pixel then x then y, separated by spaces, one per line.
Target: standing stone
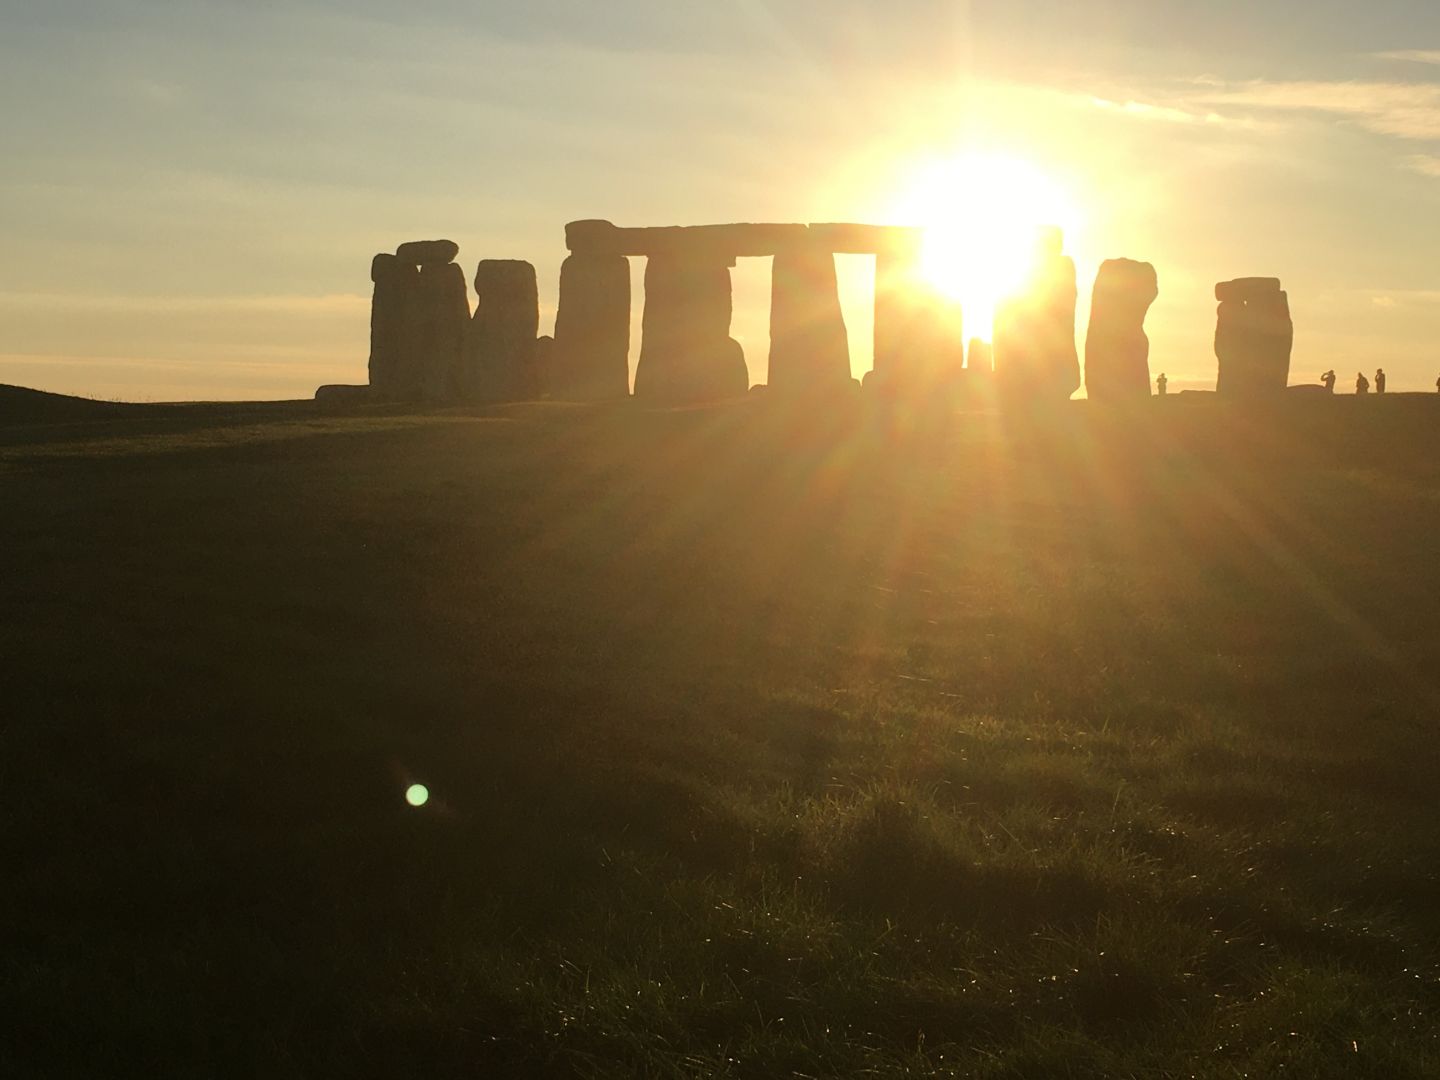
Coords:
pixel 592 329
pixel 686 352
pixel 1036 361
pixel 500 338
pixel 1117 352
pixel 542 367
pixel 980 361
pixel 809 348
pixel 442 313
pixel 919 333
pixel 427 252
pixel 394 284
pixel 1253 338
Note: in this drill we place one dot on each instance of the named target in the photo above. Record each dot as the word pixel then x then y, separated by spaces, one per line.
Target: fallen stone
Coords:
pixel 427 252
pixel 343 394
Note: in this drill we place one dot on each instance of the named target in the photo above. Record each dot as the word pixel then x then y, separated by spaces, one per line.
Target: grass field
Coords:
pixel 758 746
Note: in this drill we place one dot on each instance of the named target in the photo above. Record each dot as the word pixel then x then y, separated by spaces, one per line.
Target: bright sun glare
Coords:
pixel 981 212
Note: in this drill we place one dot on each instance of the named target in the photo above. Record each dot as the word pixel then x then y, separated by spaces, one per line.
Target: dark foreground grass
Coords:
pixel 759 747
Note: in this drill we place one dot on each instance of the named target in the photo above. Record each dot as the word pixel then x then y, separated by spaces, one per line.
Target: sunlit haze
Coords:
pixel 981 211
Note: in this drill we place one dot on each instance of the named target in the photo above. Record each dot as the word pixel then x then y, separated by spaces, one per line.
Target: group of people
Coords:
pixel 1362 384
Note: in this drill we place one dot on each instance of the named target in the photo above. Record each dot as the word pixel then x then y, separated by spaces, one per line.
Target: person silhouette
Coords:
pixel 1379 380
pixel 1362 384
pixel 1162 382
pixel 1328 381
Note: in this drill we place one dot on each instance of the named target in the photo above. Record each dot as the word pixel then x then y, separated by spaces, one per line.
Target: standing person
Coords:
pixel 1328 380
pixel 1380 380
pixel 1362 384
pixel 1162 382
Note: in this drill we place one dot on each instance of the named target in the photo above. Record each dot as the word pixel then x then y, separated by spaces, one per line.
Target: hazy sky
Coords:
pixel 192 189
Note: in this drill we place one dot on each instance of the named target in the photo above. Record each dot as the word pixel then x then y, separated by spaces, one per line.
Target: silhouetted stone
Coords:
pixel 1253 338
pixel 1036 361
pixel 710 242
pixel 427 252
pixel 809 348
pixel 542 366
pixel 980 360
pixel 1246 288
pixel 847 238
pixel 592 329
pixel 437 331
pixel 395 283
pixel 1117 352
pixel 686 353
pixel 919 334
pixel 343 394
pixel 500 338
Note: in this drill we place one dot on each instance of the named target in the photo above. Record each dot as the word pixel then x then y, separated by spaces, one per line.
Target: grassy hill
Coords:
pixel 758 746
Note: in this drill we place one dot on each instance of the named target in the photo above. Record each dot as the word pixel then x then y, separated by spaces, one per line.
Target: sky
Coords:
pixel 192 190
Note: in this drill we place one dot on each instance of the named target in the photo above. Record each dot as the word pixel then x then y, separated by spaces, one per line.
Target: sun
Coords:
pixel 981 211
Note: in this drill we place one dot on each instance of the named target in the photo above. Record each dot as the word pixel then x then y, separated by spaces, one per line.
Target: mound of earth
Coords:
pixel 21 405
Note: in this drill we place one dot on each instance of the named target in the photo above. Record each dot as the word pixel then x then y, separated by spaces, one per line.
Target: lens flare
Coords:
pixel 417 795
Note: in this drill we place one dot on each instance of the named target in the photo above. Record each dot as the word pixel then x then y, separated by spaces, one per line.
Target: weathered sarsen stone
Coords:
pixel 500 338
pixel 443 312
pixel 919 332
pixel 809 348
pixel 591 356
pixel 1254 337
pixel 395 283
pixel 686 352
pixel 1117 351
pixel 1036 362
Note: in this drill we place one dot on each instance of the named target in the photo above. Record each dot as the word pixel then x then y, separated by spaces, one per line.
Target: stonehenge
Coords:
pixel 1253 338
pixel 500 340
pixel 425 345
pixel 1036 362
pixel 1117 352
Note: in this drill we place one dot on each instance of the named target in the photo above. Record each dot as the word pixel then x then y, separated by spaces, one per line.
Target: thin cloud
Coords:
pixel 1402 110
pixel 1141 110
pixel 1411 56
pixel 1426 164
